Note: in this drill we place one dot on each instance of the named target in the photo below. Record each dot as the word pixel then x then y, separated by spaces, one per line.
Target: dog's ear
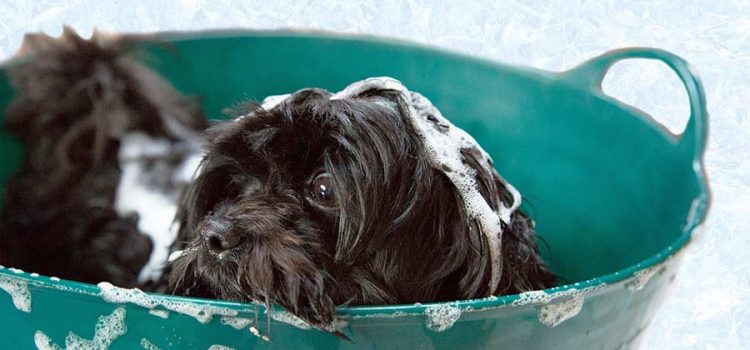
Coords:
pixel 491 185
pixel 522 268
pixel 469 259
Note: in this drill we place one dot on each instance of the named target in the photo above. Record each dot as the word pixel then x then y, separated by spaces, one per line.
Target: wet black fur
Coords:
pixel 75 99
pixel 399 234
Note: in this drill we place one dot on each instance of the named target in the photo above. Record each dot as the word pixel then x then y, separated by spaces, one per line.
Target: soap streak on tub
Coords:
pixel 256 333
pixel 107 330
pixel 292 319
pixel 202 313
pixel 146 344
pixel 60 287
pixel 43 342
pixel 556 313
pixel 159 313
pixel 641 278
pixel 235 322
pixel 19 292
pixel 289 318
pixel 220 347
pixel 442 317
pixel 559 306
pixel 240 323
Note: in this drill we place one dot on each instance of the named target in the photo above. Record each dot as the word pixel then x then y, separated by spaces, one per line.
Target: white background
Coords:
pixel 710 306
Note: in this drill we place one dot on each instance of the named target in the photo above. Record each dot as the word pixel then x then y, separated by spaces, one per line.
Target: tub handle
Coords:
pixel 591 74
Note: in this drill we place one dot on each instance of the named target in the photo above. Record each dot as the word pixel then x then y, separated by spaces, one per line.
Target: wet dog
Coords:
pixel 368 196
pixel 311 200
pixel 108 147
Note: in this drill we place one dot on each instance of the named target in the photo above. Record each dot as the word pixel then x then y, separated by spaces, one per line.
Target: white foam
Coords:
pixel 202 313
pixel 443 146
pixel 60 287
pixel 641 278
pixel 106 331
pixel 292 319
pixel 156 207
pixel 43 342
pixel 236 322
pixel 19 292
pixel 268 103
pixel 175 255
pixel 146 344
pixel 532 297
pixel 159 313
pixel 338 324
pixel 256 333
pixel 220 347
pixel 289 318
pixel 15 270
pixel 273 100
pixel 559 306
pixel 56 279
pixel 34 274
pixel 555 313
pixel 441 317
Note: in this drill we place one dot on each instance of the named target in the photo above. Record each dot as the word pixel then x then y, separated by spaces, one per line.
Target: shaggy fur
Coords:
pixel 76 99
pixel 394 232
pixel 255 225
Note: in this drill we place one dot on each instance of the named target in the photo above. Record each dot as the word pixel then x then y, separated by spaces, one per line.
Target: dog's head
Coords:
pixel 323 200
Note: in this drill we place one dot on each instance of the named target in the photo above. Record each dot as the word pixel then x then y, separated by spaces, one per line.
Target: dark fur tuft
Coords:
pixel 76 99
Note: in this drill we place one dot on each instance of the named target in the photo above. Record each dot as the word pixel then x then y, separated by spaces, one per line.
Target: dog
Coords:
pixel 109 145
pixel 311 200
pixel 368 196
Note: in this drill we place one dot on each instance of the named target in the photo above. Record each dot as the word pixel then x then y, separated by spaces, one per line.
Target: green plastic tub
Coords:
pixel 615 195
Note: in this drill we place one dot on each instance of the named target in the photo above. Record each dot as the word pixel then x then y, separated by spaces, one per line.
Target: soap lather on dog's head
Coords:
pixel 323 200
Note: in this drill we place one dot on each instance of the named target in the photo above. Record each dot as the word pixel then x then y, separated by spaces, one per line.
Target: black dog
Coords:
pixel 311 201
pixel 368 196
pixel 99 131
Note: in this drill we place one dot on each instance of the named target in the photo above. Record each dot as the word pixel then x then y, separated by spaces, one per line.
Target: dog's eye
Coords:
pixel 322 190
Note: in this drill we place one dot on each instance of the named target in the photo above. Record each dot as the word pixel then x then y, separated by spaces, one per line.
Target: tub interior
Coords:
pixel 605 189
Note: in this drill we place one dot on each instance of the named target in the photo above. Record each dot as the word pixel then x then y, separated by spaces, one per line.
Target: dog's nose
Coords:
pixel 219 235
